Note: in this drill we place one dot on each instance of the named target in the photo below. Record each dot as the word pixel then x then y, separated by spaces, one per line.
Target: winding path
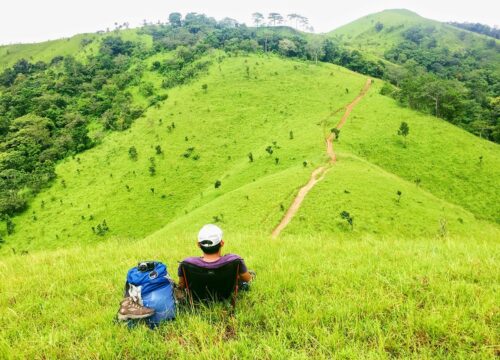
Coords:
pixel 319 173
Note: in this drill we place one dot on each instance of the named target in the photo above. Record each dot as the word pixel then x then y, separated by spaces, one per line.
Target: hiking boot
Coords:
pixel 129 309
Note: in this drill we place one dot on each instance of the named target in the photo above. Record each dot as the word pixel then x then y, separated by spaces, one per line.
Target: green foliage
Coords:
pixel 347 217
pixel 45 110
pixel 336 133
pixel 404 129
pixel 132 153
pixel 152 166
pixel 439 69
pixel 102 228
pixel 479 28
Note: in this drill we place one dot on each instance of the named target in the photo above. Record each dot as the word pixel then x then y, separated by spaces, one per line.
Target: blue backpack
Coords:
pixel 156 290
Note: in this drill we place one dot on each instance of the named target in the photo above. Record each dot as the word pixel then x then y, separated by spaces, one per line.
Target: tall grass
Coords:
pixel 314 296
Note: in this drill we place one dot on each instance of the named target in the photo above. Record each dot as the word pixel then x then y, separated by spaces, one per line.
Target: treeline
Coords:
pixel 453 85
pixel 198 33
pixel 478 28
pixel 45 110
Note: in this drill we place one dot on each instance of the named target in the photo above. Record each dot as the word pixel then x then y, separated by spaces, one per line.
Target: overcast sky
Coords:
pixel 39 20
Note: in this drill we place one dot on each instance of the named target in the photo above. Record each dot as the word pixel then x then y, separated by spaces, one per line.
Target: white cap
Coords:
pixel 210 233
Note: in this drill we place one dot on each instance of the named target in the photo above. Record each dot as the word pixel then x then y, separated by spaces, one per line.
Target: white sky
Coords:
pixel 39 20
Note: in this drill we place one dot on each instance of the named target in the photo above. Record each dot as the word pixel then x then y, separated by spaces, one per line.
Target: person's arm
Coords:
pixel 244 274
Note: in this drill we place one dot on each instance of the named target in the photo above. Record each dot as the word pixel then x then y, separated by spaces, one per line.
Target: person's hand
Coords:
pixel 252 273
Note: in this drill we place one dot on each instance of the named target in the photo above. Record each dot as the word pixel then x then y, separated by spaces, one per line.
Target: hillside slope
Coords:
pixel 80 46
pixel 415 276
pixel 363 35
pixel 206 136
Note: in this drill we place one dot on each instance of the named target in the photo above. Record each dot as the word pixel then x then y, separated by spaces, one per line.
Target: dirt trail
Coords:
pixel 319 173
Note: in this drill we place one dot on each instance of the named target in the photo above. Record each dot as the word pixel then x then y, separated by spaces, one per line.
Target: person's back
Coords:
pixel 210 242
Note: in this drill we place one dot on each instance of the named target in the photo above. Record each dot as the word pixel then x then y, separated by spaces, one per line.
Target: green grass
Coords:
pixel 46 51
pixel 444 157
pixel 222 130
pixel 369 194
pixel 361 35
pixel 314 297
pixel 279 96
pixel 399 284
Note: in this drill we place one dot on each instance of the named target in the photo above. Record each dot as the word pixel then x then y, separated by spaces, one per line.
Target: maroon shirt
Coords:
pixel 198 261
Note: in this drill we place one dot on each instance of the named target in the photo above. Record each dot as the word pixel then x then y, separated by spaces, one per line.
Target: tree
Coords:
pixel 399 193
pixel 275 18
pixel 175 19
pixel 287 47
pixel 250 157
pixel 315 48
pixel 379 26
pixel 217 184
pixel 294 17
pixel 269 150
pixel 228 23
pixel 304 21
pixel 258 18
pixel 158 149
pixel 404 130
pixel 204 87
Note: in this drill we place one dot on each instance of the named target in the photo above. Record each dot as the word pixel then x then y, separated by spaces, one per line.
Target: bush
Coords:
pixel 132 153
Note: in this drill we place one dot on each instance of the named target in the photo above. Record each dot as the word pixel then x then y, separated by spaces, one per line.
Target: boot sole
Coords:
pixel 133 317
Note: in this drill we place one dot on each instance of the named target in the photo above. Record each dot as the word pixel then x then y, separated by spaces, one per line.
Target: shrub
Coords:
pixel 347 217
pixel 132 153
pixel 336 133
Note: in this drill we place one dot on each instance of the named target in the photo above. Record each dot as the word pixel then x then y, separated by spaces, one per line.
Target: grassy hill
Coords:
pixel 415 277
pixel 213 136
pixel 80 46
pixel 363 35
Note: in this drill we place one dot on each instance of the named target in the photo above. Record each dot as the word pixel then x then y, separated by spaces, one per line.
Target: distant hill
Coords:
pixel 377 33
pixel 433 63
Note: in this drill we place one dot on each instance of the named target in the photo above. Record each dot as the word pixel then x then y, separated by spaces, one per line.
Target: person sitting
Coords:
pixel 210 241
